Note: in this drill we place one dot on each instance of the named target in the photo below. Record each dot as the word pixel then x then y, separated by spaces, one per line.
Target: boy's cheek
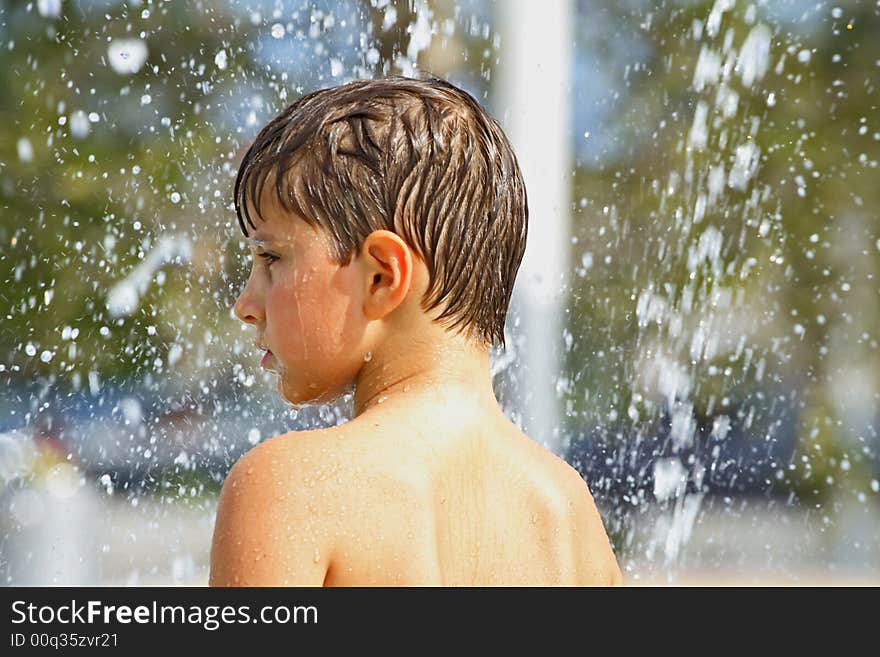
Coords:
pixel 338 328
pixel 319 329
pixel 316 336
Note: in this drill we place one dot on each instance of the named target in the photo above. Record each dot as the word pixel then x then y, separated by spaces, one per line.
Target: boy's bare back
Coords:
pixel 401 498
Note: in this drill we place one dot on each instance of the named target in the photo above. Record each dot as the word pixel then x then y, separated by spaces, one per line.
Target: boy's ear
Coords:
pixel 389 267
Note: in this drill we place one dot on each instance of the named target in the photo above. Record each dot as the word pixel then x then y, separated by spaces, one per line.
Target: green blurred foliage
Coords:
pixel 85 210
pixel 796 272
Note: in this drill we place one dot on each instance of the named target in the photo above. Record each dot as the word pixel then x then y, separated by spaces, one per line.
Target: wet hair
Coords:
pixel 418 157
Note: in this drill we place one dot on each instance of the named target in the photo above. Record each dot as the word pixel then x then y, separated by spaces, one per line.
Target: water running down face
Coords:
pixel 306 309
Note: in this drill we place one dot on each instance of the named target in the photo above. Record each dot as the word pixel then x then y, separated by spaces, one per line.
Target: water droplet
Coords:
pixel 25 150
pixel 79 124
pixel 368 356
pixel 127 56
pixel 49 8
pixel 754 56
pixel 220 60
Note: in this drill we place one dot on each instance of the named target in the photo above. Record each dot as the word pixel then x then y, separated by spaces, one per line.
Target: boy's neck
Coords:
pixel 427 371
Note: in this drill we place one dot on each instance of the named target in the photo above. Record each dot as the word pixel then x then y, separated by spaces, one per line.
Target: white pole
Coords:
pixel 533 104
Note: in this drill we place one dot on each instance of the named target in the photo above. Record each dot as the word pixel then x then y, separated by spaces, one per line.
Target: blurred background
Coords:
pixel 694 329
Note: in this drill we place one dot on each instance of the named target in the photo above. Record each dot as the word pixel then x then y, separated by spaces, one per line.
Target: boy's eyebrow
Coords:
pixel 260 239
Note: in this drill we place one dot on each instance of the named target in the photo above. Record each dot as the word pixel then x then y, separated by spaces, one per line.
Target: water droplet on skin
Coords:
pixel 368 356
pixel 534 518
pixel 317 556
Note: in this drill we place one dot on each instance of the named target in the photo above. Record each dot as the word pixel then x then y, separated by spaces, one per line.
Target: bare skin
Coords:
pixel 429 484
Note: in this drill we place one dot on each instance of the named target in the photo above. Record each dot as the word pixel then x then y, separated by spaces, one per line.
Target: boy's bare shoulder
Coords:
pixel 271 528
pixel 569 495
pixel 291 445
pixel 565 486
pixel 295 470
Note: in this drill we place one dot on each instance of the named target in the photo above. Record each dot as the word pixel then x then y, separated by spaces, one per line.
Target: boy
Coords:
pixel 387 219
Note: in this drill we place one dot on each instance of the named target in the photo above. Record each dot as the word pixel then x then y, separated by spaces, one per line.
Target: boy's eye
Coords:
pixel 268 258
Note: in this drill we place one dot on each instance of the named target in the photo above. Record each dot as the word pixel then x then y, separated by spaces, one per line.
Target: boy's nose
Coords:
pixel 246 310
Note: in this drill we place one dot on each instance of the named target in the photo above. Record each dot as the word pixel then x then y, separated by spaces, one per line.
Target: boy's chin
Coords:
pixel 304 395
